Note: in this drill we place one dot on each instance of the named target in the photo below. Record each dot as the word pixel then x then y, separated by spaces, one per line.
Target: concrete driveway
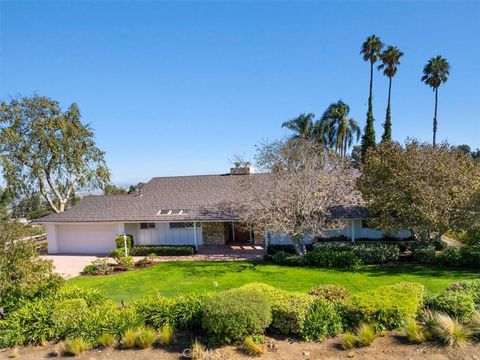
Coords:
pixel 70 266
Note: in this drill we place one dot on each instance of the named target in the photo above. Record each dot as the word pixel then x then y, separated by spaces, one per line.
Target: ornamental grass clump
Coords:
pixel 450 331
pixel 366 335
pixel 145 338
pixel 106 340
pixel 252 347
pixel 129 338
pixel 165 335
pixel 475 325
pixel 349 341
pixel 414 332
pixel 73 346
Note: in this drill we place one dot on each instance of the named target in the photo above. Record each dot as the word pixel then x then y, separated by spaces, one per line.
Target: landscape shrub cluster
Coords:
pixel 339 255
pixel 163 250
pixel 82 317
pixel 347 255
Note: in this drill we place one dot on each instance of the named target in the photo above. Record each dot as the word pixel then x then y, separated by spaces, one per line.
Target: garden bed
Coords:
pixel 391 346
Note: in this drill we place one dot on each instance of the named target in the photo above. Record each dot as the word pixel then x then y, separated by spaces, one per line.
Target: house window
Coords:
pixel 182 225
pixel 147 226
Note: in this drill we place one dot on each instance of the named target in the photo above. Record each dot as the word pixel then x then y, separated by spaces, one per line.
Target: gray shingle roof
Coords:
pixel 207 197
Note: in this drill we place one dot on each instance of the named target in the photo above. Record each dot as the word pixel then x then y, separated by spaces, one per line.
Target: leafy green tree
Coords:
pixel 435 73
pixel 111 189
pixel 5 200
pixel 422 188
pixel 44 149
pixel 135 188
pixel 23 274
pixel 390 60
pixel 371 49
pixel 342 129
pixel 31 207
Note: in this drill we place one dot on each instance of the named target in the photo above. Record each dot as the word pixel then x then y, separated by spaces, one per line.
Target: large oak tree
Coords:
pixel 420 187
pixel 47 150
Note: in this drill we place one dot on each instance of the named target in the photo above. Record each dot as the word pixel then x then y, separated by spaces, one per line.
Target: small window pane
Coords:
pixel 177 225
pixel 189 224
pixel 143 225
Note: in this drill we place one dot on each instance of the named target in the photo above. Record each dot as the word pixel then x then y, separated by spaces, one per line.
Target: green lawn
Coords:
pixel 172 278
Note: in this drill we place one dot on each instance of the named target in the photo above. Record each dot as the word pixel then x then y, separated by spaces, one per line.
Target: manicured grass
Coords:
pixel 172 278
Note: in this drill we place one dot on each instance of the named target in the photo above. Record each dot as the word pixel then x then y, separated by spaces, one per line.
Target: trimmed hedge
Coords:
pixel 386 307
pixel 273 249
pixel 163 250
pixel 288 308
pixel 333 255
pixel 234 314
pixel 377 253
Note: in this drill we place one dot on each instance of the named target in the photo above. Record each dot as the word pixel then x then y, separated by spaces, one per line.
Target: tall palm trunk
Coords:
pixel 370 100
pixel 387 133
pixel 435 118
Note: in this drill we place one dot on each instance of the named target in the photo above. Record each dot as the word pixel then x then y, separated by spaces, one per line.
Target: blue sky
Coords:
pixel 178 88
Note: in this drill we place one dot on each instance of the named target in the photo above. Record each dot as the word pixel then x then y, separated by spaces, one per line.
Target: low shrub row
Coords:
pixel 233 315
pixel 163 250
pixel 72 312
pixel 386 307
pixel 340 255
pixel 468 256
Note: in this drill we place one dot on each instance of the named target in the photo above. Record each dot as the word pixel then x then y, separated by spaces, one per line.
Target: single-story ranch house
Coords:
pixel 183 210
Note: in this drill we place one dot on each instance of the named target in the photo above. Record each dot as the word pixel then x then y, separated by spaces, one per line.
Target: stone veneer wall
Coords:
pixel 213 233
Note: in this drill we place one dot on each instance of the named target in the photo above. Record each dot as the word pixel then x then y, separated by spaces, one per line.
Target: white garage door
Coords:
pixel 91 238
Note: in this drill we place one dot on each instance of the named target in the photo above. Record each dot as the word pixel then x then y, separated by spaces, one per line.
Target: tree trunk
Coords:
pixel 387 126
pixel 370 100
pixel 299 245
pixel 435 118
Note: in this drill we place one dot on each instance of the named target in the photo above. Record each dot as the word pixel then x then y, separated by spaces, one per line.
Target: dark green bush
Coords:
pixel 439 244
pixel 386 307
pixel 90 270
pixel 163 250
pixel 333 255
pixel 234 314
pixel 458 303
pixel 287 259
pixel 120 241
pixel 322 320
pixel 424 254
pixel 329 292
pixel 471 256
pixel 451 256
pixel 377 253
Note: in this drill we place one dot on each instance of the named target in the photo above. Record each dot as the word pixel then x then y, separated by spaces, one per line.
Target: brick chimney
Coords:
pixel 242 169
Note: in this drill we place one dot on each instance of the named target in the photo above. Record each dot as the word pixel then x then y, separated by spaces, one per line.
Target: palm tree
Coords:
pixel 305 128
pixel 342 129
pixel 390 61
pixel 435 73
pixel 371 51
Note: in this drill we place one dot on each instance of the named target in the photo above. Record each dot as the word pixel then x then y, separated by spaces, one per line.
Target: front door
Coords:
pixel 238 233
